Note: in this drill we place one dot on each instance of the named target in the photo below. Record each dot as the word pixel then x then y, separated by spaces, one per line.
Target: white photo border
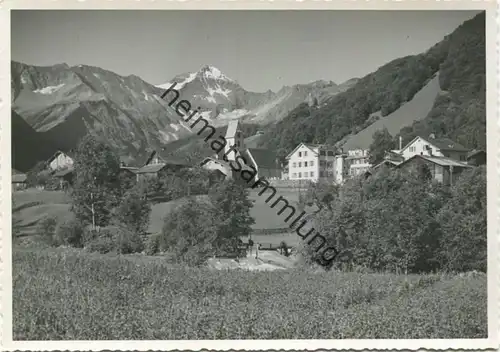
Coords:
pixel 492 108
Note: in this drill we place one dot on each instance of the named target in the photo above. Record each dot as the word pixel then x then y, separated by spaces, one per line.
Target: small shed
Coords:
pixel 18 181
pixel 442 169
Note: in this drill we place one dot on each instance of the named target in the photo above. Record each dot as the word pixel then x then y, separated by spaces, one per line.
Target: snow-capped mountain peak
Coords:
pixel 208 71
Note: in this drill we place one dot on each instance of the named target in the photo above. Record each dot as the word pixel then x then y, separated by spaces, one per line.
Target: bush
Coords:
pixel 101 245
pixel 126 241
pixel 89 235
pixel 47 229
pixel 70 233
pixel 189 233
pixel 152 245
pixel 116 239
pixel 134 210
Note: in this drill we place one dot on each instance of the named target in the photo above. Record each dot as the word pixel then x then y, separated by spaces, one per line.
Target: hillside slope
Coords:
pixel 458 112
pixel 415 109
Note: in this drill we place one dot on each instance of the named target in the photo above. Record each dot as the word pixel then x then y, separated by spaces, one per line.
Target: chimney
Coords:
pixel 400 142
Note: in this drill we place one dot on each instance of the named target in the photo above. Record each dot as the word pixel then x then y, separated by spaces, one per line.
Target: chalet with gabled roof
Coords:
pixel 432 146
pixel 60 160
pixel 157 165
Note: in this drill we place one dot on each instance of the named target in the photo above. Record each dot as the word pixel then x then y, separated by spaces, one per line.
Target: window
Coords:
pixel 300 154
pixel 300 174
pixel 294 175
pixel 462 157
pixel 305 153
pixel 322 152
pixel 312 174
pixel 413 149
pixel 330 153
pixel 294 165
pixel 322 163
pixel 329 164
pixel 311 163
pixel 305 163
pixel 300 164
pixel 321 174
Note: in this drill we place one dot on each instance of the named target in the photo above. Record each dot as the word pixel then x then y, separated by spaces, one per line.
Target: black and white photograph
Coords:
pixel 259 175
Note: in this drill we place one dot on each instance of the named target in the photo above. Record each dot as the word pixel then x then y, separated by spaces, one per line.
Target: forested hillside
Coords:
pixel 458 113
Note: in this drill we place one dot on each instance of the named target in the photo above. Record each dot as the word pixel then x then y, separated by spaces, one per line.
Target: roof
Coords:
pixel 264 158
pixel 392 162
pixel 232 127
pixel 58 153
pixel 439 160
pixel 310 146
pixel 474 153
pixel 63 172
pixel 129 168
pixel 447 144
pixel 19 178
pixel 441 144
pixel 223 165
pixel 152 168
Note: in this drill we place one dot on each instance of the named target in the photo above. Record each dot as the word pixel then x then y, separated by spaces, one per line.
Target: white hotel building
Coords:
pixel 316 162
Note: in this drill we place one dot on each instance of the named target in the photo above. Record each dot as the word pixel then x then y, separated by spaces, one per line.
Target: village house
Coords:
pixel 265 161
pixel 357 162
pixel 441 168
pixel 18 180
pixel 219 167
pixel 432 146
pixel 157 166
pixel 316 162
pixel 60 160
pixel 259 162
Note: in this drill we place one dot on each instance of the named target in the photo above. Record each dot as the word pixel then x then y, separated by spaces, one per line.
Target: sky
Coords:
pixel 260 49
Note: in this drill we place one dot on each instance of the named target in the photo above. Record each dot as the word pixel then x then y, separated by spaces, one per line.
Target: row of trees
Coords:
pixel 404 222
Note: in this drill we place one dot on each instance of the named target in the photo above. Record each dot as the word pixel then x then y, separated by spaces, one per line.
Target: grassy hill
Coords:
pixel 459 112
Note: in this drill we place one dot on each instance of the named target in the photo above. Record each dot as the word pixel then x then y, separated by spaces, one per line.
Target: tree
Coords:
pixel 96 189
pixel 134 210
pixel 189 232
pixel 382 142
pixel 231 213
pixel 321 193
pixel 39 175
pixel 463 221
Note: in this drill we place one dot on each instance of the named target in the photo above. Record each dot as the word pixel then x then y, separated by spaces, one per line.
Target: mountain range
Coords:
pixel 63 103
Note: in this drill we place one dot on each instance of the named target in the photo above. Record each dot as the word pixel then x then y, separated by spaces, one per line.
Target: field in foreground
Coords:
pixel 69 294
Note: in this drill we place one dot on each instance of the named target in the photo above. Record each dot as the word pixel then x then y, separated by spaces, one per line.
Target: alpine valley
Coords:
pixel 440 91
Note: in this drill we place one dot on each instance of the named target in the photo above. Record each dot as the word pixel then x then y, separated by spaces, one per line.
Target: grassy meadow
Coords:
pixel 71 294
pixel 62 294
